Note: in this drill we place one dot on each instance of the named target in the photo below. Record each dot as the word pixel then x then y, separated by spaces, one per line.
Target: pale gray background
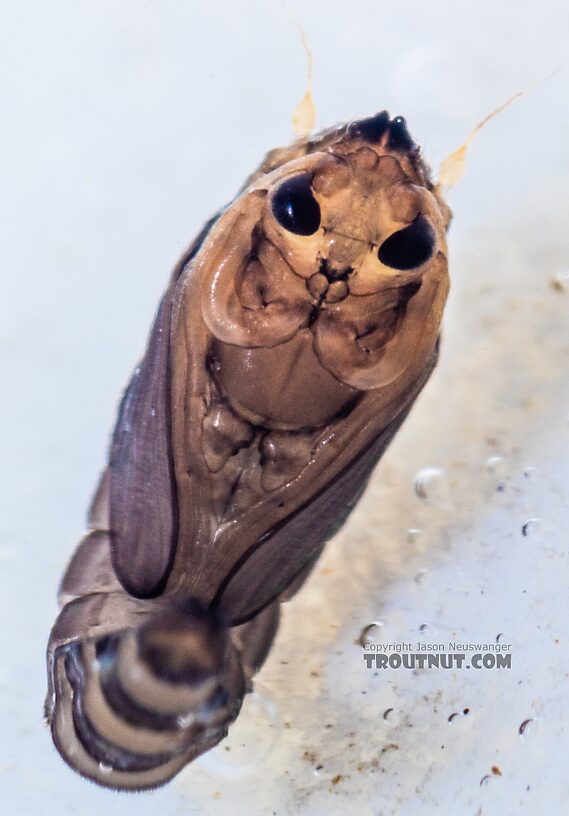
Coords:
pixel 124 126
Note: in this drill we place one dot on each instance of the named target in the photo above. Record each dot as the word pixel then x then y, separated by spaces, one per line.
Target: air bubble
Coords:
pixel 529 525
pixel 494 463
pixel 104 768
pixel 371 633
pixel 428 482
pixel 524 725
pixel 391 716
pixel 456 714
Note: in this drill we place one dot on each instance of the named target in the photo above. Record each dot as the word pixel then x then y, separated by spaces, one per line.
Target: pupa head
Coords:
pixel 337 257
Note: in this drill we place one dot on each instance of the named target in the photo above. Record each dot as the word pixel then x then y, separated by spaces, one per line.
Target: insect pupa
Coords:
pixel 293 338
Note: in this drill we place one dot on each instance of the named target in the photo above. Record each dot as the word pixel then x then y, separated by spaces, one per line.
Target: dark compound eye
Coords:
pixel 399 136
pixel 370 129
pixel 409 247
pixel 295 207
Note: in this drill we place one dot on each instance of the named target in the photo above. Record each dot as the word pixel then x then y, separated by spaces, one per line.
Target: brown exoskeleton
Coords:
pixel 289 347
